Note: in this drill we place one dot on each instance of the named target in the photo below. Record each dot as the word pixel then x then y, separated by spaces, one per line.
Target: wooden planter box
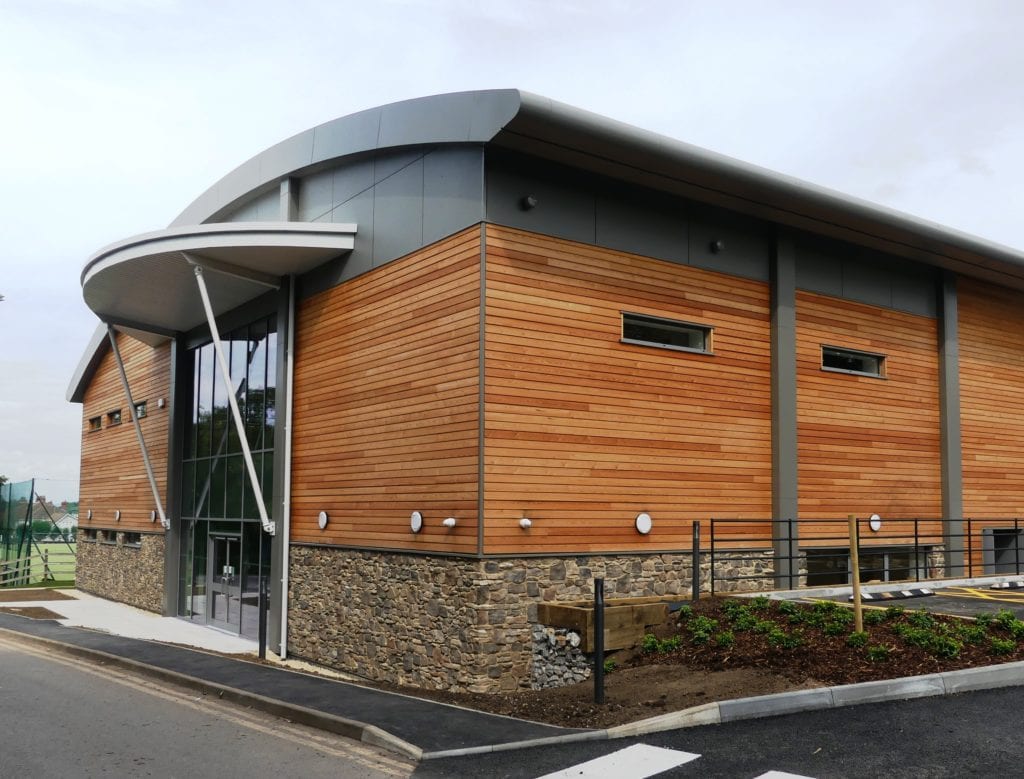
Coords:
pixel 626 620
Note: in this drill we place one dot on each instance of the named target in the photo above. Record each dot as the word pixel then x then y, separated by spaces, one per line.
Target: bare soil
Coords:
pixel 32 612
pixel 36 594
pixel 646 684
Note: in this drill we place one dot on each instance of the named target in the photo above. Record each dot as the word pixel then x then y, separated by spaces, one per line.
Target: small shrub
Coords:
pixel 744 620
pixel 1016 630
pixel 609 666
pixel 789 608
pixel 833 628
pixel 894 612
pixel 671 644
pixel 921 619
pixel 945 647
pixel 684 613
pixel 984 619
pixel 857 639
pixel 764 626
pixel 780 638
pixel 874 617
pixel 725 639
pixel 878 653
pixel 701 629
pixel 1005 618
pixel 973 634
pixel 827 607
pixel 650 643
pixel 760 603
pixel 1001 646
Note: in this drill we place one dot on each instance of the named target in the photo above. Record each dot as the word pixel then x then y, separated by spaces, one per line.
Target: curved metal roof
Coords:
pixel 534 125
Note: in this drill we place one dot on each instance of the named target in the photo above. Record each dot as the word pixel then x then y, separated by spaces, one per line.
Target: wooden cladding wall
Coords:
pixel 866 445
pixel 113 472
pixel 387 404
pixel 583 432
pixel 991 324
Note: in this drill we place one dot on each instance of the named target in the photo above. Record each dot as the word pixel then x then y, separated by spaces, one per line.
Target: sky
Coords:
pixel 116 114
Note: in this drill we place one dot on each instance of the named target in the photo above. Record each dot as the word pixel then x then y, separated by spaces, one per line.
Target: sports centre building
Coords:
pixel 422 369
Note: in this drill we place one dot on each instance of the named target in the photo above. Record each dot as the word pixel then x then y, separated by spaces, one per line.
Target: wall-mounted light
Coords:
pixel 717 246
pixel 152 515
pixel 644 523
pixel 449 523
pixel 528 202
pixel 161 402
pixel 117 515
pixel 875 523
pixel 88 514
pixel 416 522
pixel 525 523
pixel 321 519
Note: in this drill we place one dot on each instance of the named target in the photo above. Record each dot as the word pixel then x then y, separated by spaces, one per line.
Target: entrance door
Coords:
pixel 224 577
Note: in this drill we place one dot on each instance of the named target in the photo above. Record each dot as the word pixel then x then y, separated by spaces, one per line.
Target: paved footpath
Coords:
pixel 423 725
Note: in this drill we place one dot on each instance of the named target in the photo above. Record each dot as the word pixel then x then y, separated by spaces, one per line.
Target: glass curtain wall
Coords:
pixel 224 552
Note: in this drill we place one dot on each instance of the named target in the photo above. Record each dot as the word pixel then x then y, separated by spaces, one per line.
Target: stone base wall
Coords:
pixel 452 623
pixel 127 573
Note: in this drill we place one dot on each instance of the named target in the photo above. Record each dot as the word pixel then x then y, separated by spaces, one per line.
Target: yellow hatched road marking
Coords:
pixel 1004 596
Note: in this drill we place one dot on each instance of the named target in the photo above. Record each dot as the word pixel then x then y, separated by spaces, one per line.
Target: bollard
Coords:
pixel 262 608
pixel 598 640
pixel 858 611
pixel 695 563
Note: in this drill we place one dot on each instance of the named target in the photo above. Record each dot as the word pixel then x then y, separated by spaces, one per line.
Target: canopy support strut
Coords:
pixel 138 428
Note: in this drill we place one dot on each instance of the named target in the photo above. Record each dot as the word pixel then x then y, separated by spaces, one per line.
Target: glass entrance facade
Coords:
pixel 224 552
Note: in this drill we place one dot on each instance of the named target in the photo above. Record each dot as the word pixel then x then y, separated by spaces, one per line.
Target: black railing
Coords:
pixel 768 554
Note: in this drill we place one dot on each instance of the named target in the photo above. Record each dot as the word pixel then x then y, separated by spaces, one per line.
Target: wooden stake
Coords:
pixel 858 612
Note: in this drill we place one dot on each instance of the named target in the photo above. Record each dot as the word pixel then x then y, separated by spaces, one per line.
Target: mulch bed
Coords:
pixel 21 596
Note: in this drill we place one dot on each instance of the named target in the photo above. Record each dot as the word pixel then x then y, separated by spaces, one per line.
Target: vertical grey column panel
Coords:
pixel 949 421
pixel 280 542
pixel 784 431
pixel 289 200
pixel 179 402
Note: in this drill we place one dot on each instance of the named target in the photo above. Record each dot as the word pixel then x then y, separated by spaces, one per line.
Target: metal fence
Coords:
pixel 787 554
pixel 34 548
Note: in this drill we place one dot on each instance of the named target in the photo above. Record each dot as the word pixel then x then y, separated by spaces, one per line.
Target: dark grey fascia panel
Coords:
pixel 459 118
pixel 560 133
pixel 99 343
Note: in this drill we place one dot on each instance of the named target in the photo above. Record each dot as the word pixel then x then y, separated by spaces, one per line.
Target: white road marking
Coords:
pixel 636 762
pixel 781 775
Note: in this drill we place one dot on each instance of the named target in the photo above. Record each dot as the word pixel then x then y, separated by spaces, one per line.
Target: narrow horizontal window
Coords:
pixel 131 539
pixel 95 423
pixel 140 409
pixel 834 358
pixel 666 333
pixel 113 418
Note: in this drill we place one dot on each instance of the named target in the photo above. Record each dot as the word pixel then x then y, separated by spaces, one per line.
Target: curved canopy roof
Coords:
pixel 147 282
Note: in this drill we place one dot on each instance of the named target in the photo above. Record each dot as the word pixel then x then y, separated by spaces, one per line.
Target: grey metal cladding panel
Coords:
pixel 360 211
pixel 316 196
pixel 398 214
pixel 866 283
pixel 287 156
pixel 388 163
pixel 264 208
pixel 819 271
pixel 348 135
pixel 453 191
pixel 352 179
pixel 562 210
pixel 916 294
pixel 746 252
pixel 644 229
pixel 462 116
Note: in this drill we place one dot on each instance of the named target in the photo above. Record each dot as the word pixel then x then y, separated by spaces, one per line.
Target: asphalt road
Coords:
pixel 975 734
pixel 64 717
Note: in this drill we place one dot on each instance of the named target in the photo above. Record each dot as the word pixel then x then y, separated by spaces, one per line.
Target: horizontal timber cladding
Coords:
pixel 113 471
pixel 386 404
pixel 991 325
pixel 866 444
pixel 584 432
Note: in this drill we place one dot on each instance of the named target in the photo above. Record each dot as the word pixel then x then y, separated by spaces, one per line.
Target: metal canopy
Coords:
pixel 147 283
